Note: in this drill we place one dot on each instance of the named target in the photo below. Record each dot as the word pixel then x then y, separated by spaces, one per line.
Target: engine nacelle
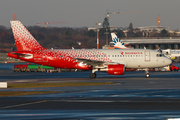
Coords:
pixel 116 69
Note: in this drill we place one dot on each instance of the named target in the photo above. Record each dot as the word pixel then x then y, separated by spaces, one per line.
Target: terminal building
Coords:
pixel 146 40
pixel 152 43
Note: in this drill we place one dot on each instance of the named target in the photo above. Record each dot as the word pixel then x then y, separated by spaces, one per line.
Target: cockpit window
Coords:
pixel 163 55
pixel 160 55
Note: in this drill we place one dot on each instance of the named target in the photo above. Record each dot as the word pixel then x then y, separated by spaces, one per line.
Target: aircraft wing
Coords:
pixel 95 63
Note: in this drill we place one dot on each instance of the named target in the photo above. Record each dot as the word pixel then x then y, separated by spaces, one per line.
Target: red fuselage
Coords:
pixel 54 58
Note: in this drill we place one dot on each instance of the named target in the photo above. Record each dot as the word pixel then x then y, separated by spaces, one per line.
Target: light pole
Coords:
pixel 98 34
pixel 106 36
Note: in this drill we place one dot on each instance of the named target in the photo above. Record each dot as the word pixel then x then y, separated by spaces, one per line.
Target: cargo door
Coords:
pixel 147 56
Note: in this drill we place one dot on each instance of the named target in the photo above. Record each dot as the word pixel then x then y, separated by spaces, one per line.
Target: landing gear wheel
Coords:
pixel 92 75
pixel 147 75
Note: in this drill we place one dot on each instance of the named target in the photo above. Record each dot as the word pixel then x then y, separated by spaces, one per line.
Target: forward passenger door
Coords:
pixel 147 56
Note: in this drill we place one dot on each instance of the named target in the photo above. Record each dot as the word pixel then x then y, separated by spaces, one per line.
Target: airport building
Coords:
pixel 149 42
pixel 153 28
pixel 153 43
pixel 148 30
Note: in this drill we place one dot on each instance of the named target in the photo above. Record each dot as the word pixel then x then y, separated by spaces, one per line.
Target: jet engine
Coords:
pixel 116 69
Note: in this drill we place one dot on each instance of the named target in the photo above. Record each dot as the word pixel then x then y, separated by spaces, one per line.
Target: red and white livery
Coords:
pixel 113 61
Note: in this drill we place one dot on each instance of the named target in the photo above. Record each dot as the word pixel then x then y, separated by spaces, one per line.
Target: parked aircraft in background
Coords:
pixel 119 45
pixel 117 42
pixel 173 54
pixel 113 61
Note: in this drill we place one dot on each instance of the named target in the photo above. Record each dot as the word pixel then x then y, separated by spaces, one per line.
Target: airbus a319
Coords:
pixel 113 61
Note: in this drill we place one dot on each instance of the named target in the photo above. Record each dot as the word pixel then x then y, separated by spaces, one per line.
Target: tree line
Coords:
pixel 66 38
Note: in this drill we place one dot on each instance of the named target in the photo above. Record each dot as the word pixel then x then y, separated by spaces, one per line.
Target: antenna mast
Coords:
pixel 14 18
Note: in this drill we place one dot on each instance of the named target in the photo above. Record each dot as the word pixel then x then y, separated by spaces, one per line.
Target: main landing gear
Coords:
pixel 146 73
pixel 93 75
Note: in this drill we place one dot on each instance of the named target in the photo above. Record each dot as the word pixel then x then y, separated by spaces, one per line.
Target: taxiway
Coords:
pixel 132 97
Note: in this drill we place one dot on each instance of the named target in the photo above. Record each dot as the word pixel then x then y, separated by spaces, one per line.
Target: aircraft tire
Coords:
pixel 147 75
pixel 93 75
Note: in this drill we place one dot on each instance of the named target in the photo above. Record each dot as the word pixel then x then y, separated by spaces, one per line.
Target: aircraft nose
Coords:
pixel 168 61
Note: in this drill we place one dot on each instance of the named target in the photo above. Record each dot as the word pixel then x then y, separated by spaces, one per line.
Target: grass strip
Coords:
pixel 18 93
pixel 36 85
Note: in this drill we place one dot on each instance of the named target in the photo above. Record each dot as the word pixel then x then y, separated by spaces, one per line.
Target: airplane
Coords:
pixel 113 61
pixel 117 42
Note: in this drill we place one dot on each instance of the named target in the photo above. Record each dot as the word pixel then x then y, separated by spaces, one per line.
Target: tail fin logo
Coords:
pixel 24 40
pixel 122 53
pixel 117 42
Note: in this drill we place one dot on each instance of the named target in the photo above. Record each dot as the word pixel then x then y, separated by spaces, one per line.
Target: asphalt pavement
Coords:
pixel 132 97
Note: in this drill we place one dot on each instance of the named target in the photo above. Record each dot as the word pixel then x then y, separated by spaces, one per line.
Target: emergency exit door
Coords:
pixel 147 56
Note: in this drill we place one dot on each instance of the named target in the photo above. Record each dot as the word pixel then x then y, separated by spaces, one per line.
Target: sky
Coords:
pixel 85 13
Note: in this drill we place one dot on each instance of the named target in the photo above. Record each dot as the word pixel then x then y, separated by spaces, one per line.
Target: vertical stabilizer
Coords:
pixel 24 40
pixel 117 42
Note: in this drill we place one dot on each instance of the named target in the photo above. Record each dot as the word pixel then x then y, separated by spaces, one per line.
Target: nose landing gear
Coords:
pixel 146 73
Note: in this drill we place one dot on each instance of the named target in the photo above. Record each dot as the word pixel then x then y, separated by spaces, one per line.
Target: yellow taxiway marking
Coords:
pixel 23 104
